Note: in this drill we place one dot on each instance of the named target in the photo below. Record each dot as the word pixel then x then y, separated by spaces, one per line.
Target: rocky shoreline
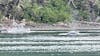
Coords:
pixel 63 26
pixel 57 26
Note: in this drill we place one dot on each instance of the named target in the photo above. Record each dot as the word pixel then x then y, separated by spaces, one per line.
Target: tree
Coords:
pixel 52 12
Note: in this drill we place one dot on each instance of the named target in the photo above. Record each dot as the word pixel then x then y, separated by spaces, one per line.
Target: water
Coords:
pixel 48 45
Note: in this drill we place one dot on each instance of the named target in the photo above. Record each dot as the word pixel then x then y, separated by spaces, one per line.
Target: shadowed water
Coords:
pixel 48 45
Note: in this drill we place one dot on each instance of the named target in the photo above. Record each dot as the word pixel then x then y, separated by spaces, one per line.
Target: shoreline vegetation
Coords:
pixel 51 14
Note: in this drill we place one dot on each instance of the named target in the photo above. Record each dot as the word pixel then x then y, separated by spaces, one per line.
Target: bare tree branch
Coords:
pixel 72 1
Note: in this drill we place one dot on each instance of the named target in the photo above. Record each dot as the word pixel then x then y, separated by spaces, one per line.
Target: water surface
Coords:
pixel 48 45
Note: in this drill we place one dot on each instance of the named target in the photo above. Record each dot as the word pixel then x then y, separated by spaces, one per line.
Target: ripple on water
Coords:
pixel 59 44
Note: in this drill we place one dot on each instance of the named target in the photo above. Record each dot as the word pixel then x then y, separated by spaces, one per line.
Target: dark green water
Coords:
pixel 48 45
pixel 48 54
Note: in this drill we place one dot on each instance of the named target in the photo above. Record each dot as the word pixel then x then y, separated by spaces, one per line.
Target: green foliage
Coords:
pixel 1 16
pixel 84 15
pixel 54 11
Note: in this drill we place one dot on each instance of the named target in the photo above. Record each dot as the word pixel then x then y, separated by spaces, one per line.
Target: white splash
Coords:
pixel 16 28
